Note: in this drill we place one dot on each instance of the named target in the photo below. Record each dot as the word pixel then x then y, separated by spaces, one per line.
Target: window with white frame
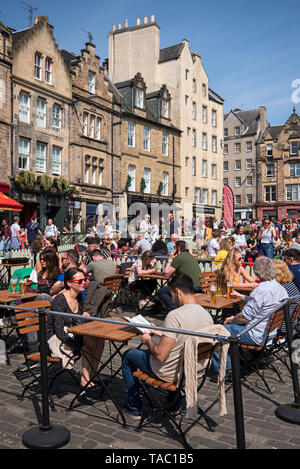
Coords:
pixel 147 146
pixel 249 164
pixel 294 148
pixel 225 149
pixel 131 134
pixel 204 114
pixel 237 147
pixel 270 193
pixel 186 191
pixel 85 123
pixel 204 196
pixel 225 166
pixel 165 108
pixel 41 157
pixel 92 126
pixel 238 182
pixel 214 118
pixel 100 173
pixel 194 137
pixel 269 149
pixel 56 117
pixel 225 181
pixel 214 171
pixel 197 195
pixel 147 179
pixel 139 98
pixel 249 181
pixel 292 192
pixel 214 197
pixel 165 181
pixel 270 170
pixel 204 168
pixel 24 107
pixel 165 144
pixel 237 131
pixel 238 199
pixel 249 198
pixel 94 170
pixel 225 132
pixel 56 160
pixel 187 161
pixel 294 169
pixel 203 90
pixel 204 141
pixel 48 70
pixel 194 110
pixel 131 174
pixel 23 153
pixel 87 166
pixel 41 112
pixel 38 66
pixel 91 82
pixel 193 166
pixel 248 146
pixel 98 129
pixel 237 165
pixel 214 144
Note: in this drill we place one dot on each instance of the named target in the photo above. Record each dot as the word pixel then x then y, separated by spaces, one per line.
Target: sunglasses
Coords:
pixel 80 281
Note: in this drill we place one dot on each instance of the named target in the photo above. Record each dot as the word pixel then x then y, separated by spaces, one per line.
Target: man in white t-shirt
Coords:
pixel 163 358
pixel 51 230
pixel 145 228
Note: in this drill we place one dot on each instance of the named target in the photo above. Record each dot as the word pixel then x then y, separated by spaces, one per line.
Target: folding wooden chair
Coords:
pixel 263 356
pixel 154 389
pixel 114 284
pixel 206 280
pixel 28 322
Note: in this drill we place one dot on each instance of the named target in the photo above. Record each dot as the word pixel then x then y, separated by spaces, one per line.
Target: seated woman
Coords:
pixel 253 250
pixel 48 274
pixel 52 243
pixel 232 270
pixel 146 264
pixel 59 340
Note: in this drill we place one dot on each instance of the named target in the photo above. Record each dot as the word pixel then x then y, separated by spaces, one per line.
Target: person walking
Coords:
pixel 15 234
pixel 266 236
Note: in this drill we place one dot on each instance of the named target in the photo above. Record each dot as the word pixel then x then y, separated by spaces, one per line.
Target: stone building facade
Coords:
pixel 150 145
pixel 94 139
pixel 278 170
pixel 195 109
pixel 6 127
pixel 42 97
pixel 242 130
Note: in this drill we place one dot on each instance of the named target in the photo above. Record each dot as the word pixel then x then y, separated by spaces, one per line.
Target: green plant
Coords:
pixel 160 188
pixel 45 182
pixel 61 184
pixel 26 179
pixel 72 191
pixel 128 182
pixel 143 185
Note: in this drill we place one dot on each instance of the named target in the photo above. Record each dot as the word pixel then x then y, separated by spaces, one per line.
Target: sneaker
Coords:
pixel 131 413
pixel 30 364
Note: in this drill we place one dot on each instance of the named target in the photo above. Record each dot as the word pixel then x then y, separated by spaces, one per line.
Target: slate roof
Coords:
pixel 275 130
pixel 249 118
pixel 170 53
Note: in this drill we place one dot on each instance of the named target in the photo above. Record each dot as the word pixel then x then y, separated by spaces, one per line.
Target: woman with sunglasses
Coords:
pixel 232 270
pixel 267 234
pixel 70 302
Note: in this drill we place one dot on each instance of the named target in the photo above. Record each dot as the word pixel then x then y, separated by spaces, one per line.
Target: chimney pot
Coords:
pixel 138 21
pixel 145 20
pixel 114 27
pixel 152 18
pixel 126 24
pixel 120 26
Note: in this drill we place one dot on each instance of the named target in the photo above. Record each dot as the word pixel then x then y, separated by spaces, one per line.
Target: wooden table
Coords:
pixel 7 296
pixel 107 331
pixel 5 268
pixel 245 289
pixel 204 299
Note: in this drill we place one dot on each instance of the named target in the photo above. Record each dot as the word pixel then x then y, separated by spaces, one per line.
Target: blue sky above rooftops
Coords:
pixel 250 50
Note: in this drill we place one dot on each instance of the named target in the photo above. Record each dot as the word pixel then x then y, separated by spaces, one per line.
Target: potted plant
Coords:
pixel 143 185
pixel 45 182
pixel 26 179
pixel 160 188
pixel 128 183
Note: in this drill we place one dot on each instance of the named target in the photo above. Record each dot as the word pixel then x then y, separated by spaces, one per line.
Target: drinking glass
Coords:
pixel 13 283
pixel 23 284
pixel 213 293
pixel 229 289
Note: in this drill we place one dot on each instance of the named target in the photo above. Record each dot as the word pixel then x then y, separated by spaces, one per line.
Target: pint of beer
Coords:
pixel 213 293
pixel 23 283
pixel 229 289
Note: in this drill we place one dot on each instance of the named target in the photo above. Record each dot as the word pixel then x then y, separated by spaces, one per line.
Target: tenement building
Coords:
pixel 194 108
pixel 242 130
pixel 278 170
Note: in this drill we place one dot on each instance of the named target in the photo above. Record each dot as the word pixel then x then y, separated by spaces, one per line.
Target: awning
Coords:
pixel 6 203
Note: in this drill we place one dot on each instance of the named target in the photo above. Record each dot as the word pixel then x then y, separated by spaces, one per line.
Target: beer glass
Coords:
pixel 213 293
pixel 13 283
pixel 23 284
pixel 229 289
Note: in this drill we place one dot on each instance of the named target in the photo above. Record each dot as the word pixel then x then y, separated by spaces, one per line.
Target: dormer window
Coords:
pixel 165 108
pixel 48 70
pixel 38 66
pixel 139 98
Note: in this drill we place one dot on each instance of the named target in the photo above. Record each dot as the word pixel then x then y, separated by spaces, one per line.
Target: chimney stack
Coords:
pixel 263 118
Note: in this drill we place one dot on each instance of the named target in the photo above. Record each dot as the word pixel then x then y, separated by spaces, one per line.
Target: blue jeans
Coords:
pixel 165 295
pixel 234 329
pixel 5 247
pixel 135 359
pixel 267 249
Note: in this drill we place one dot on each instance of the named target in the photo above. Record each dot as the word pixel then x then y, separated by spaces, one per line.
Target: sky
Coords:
pixel 250 50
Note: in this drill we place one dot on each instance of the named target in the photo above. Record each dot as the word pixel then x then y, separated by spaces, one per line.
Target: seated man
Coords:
pixel 171 244
pixel 162 360
pixel 292 259
pixel 142 245
pixel 100 267
pixel 181 262
pixel 93 242
pixel 70 259
pixel 122 250
pixel 265 297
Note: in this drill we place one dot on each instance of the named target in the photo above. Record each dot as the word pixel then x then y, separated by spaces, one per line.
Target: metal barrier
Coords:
pixel 49 436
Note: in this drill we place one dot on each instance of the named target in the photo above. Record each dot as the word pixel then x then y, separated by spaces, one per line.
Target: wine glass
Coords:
pixel 23 284
pixel 13 283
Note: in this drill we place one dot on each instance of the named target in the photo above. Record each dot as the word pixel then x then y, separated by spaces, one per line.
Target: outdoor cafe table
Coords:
pixel 204 299
pixel 246 289
pixel 161 280
pixel 5 272
pixel 116 334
